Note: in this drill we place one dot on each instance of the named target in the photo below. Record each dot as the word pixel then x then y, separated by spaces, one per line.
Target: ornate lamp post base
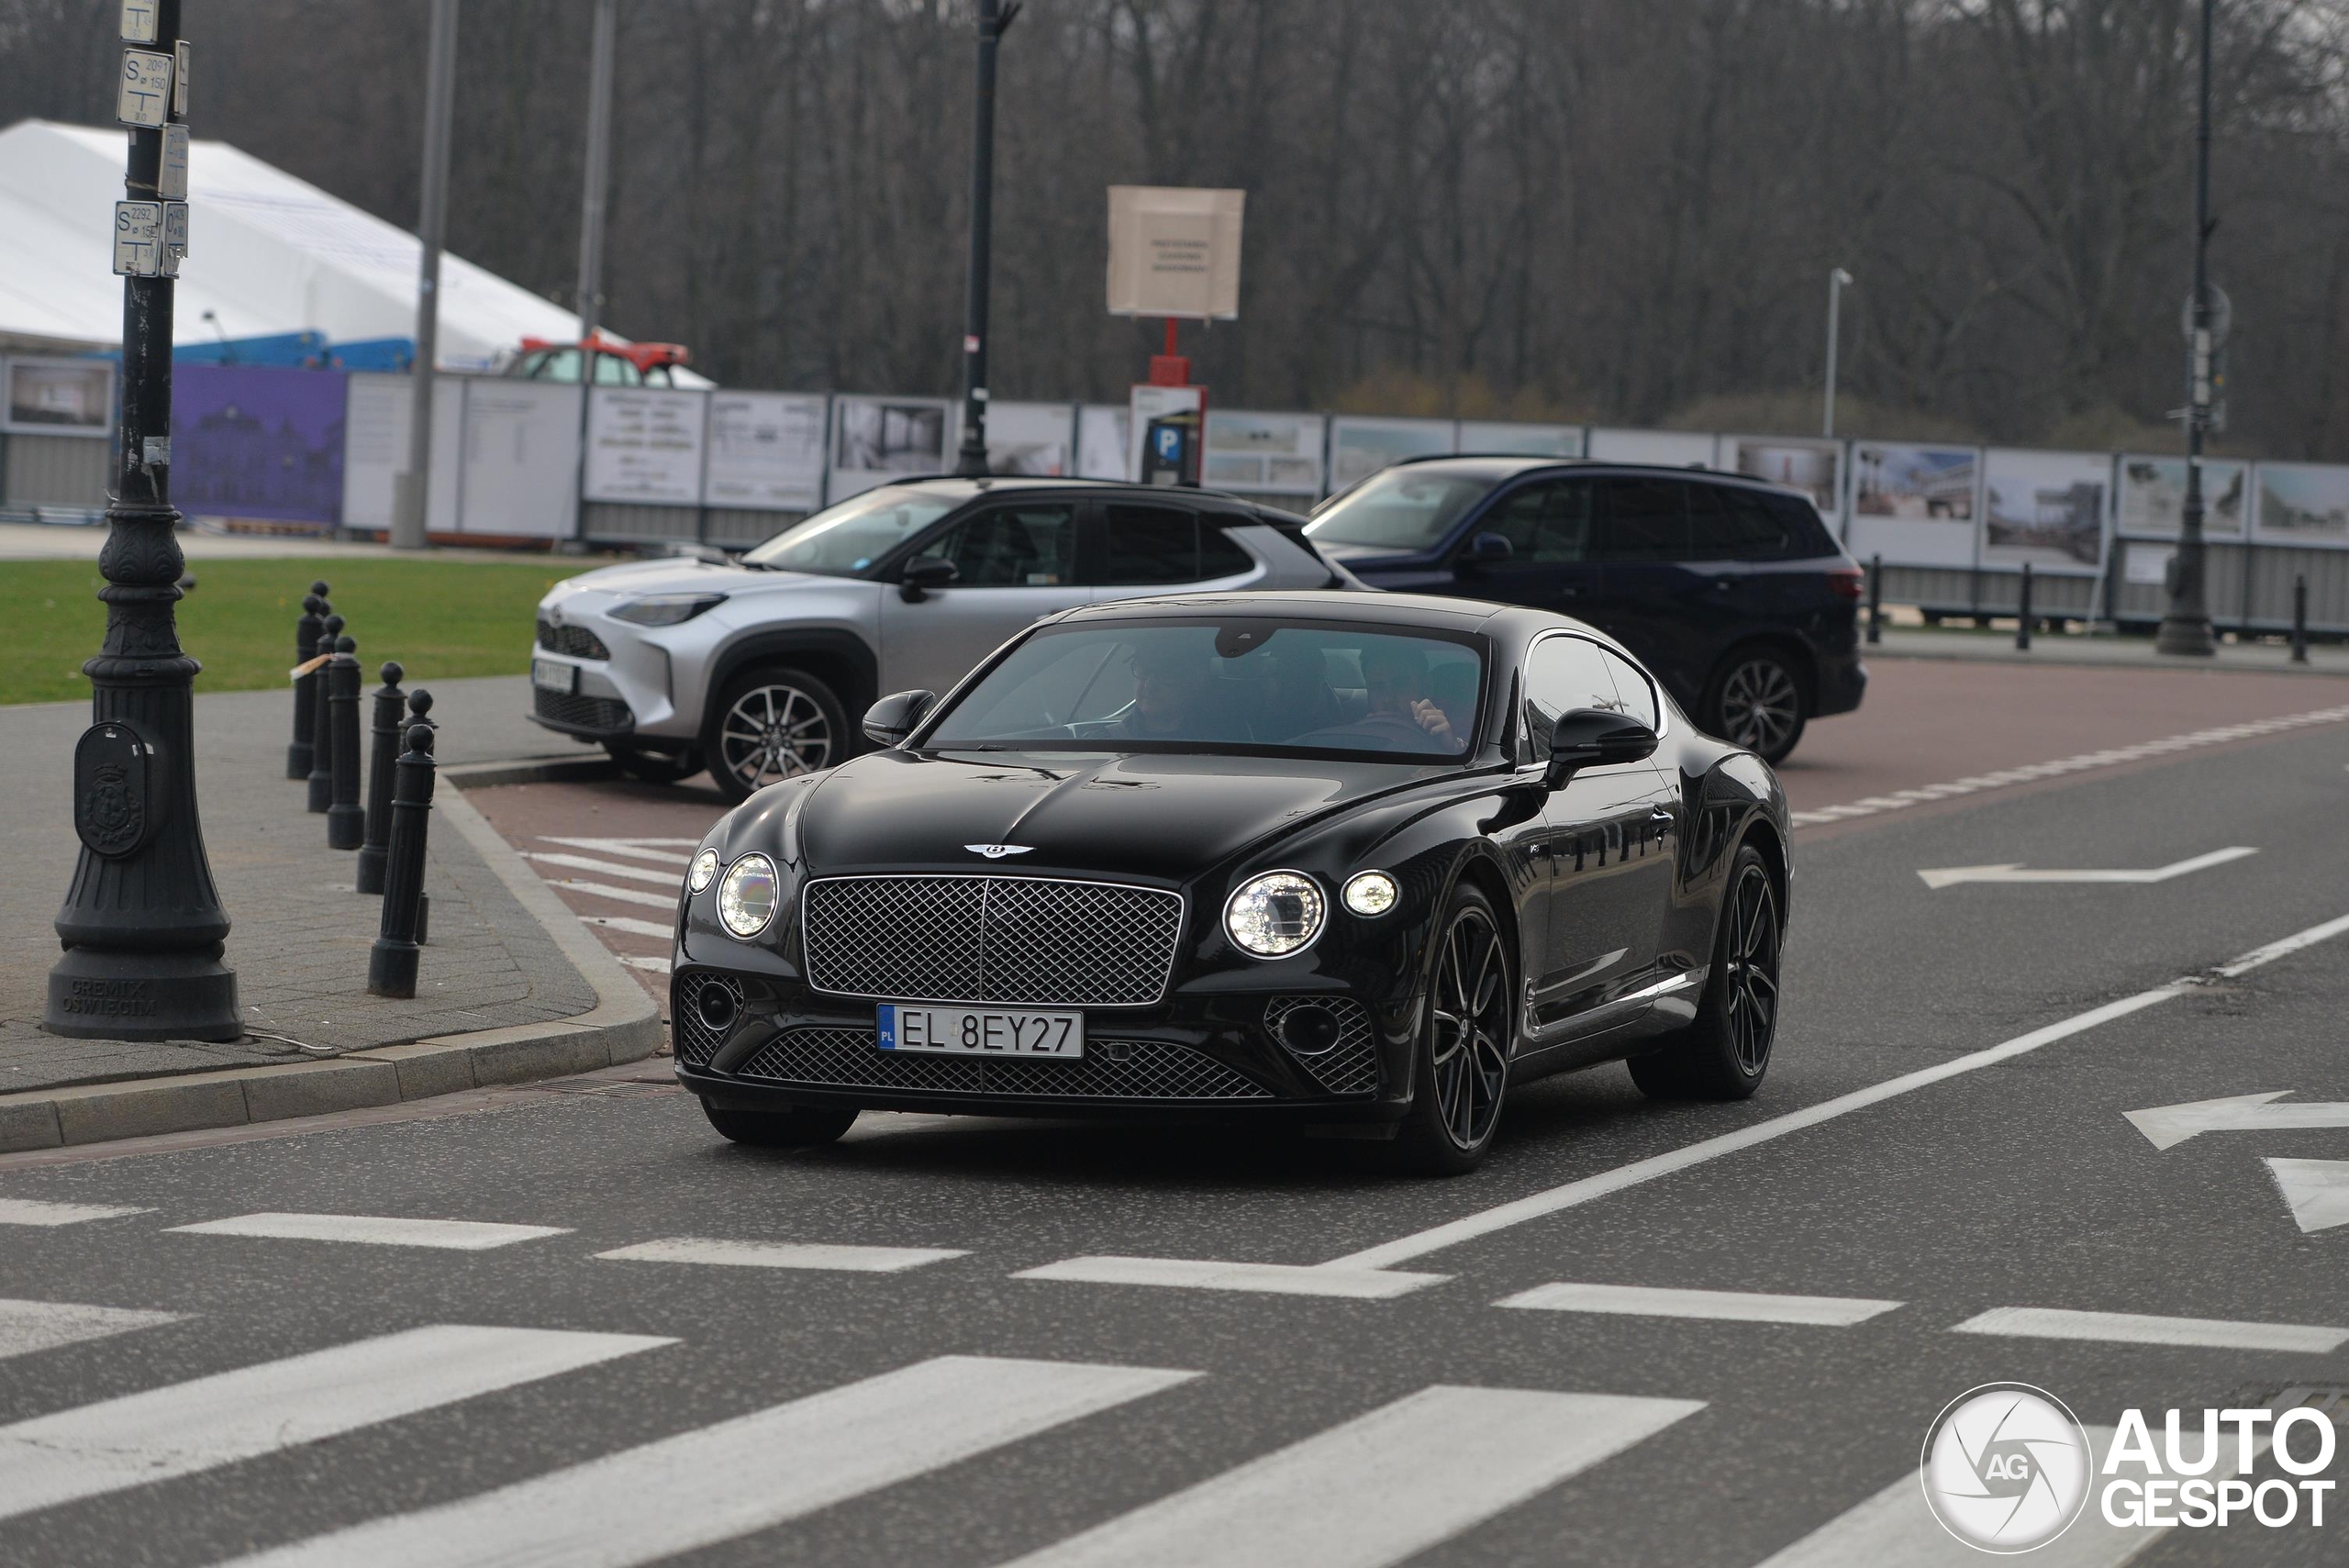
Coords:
pixel 97 994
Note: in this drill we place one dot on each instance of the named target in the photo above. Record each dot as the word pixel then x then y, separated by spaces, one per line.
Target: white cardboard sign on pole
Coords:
pixel 1175 252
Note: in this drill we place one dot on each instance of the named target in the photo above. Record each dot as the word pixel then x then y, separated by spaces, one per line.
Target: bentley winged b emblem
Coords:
pixel 997 852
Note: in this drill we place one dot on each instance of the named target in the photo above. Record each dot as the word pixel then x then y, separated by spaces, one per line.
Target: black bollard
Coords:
pixel 2022 620
pixel 321 732
pixel 306 628
pixel 390 703
pixel 419 704
pixel 346 819
pixel 2301 620
pixel 391 962
pixel 1875 598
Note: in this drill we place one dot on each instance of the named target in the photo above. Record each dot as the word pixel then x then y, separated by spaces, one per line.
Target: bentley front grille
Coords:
pixel 1111 1070
pixel 1031 941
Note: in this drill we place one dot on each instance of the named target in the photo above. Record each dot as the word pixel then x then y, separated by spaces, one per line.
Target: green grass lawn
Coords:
pixel 438 618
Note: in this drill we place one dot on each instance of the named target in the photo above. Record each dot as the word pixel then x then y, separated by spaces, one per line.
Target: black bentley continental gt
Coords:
pixel 1361 862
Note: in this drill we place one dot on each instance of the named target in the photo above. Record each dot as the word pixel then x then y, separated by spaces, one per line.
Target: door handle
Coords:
pixel 1662 815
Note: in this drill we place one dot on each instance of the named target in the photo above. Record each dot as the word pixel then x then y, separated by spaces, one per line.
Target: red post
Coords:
pixel 1169 369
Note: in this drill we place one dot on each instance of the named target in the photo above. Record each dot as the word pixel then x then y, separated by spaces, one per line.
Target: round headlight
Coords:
pixel 1370 893
pixel 746 899
pixel 1274 915
pixel 705 870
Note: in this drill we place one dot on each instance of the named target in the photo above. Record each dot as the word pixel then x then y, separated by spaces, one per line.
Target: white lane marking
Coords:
pixel 2136 1329
pixel 2015 870
pixel 661 850
pixel 1724 1305
pixel 783 1254
pixel 1895 1526
pixel 647 962
pixel 668 879
pixel 1274 1279
pixel 2168 1125
pixel 2113 757
pixel 633 927
pixel 618 895
pixel 29 1325
pixel 373 1230
pixel 1606 1184
pixel 747 1475
pixel 2317 1191
pixel 235 1416
pixel 34 1211
pixel 1379 1488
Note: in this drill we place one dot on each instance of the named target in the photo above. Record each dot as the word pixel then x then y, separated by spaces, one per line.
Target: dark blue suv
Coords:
pixel 1732 590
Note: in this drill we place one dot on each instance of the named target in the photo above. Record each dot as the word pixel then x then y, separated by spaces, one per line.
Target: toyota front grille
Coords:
pixel 1028 942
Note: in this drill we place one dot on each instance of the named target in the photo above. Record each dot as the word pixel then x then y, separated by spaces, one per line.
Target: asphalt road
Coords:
pixel 925 1403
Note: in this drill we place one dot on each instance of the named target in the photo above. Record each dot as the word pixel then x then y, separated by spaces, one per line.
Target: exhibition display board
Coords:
pixel 2048 509
pixel 1505 438
pixel 1359 445
pixel 1264 453
pixel 2152 502
pixel 2302 504
pixel 40 396
pixel 1914 505
pixel 520 473
pixel 257 443
pixel 645 444
pixel 876 439
pixel 1672 449
pixel 1033 440
pixel 765 450
pixel 1815 468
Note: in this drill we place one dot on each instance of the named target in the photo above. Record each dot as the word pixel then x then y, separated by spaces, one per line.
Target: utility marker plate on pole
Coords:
pixel 174 237
pixel 179 80
pixel 146 93
pixel 172 183
pixel 139 21
pixel 139 239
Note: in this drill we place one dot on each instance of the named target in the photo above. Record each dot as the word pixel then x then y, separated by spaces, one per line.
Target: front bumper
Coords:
pixel 629 691
pixel 1213 1057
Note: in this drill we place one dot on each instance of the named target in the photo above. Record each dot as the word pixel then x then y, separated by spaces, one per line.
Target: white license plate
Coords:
pixel 981 1031
pixel 550 676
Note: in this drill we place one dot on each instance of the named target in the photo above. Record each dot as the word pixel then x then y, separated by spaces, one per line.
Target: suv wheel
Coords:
pixel 1755 701
pixel 772 724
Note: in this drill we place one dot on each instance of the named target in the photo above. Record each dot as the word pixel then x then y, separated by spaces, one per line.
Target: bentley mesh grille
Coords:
pixel 1150 1070
pixel 1348 1067
pixel 693 1041
pixel 575 640
pixel 603 715
pixel 1021 939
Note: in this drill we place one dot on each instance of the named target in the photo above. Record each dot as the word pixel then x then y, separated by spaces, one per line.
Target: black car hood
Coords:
pixel 1165 819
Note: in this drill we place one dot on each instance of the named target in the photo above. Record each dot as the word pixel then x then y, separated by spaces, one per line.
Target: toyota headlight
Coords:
pixel 1274 915
pixel 747 898
pixel 703 872
pixel 664 609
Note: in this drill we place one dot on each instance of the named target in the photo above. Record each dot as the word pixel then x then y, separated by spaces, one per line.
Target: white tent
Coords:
pixel 267 254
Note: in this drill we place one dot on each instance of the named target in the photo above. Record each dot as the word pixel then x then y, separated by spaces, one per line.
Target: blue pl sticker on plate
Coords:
pixel 888 1034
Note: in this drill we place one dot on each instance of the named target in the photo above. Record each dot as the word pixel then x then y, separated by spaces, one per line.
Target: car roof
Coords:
pixel 1505 466
pixel 989 484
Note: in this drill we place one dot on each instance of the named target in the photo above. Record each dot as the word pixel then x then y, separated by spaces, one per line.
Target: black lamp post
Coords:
pixel 2186 628
pixel 994 20
pixel 142 926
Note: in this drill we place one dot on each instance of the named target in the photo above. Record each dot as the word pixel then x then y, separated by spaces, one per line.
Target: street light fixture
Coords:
pixel 1838 280
pixel 2186 628
pixel 995 18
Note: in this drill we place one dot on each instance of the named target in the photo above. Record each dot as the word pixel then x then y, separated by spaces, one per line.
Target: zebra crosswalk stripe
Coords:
pixel 29 1325
pixel 234 1416
pixel 1379 1488
pixel 749 1473
pixel 34 1211
pixel 373 1230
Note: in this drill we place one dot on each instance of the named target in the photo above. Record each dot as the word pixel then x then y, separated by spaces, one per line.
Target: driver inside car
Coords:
pixel 1171 700
pixel 1395 680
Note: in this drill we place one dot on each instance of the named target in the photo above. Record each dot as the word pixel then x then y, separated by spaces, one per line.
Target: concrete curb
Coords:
pixel 2046 656
pixel 624 1025
pixel 530 769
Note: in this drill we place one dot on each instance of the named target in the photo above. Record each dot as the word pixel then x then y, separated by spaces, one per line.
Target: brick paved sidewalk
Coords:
pixel 300 935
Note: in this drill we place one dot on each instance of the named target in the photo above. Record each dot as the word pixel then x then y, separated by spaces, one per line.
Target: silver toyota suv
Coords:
pixel 761 668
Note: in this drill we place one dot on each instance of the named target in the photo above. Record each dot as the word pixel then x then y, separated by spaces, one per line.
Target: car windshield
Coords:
pixel 1245 686
pixel 845 540
pixel 1403 509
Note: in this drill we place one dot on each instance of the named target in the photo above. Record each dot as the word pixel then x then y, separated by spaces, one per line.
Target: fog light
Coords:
pixel 716 1006
pixel 1372 893
pixel 1308 1030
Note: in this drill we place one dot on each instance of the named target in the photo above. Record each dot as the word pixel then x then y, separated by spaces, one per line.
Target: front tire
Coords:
pixel 771 724
pixel 1755 700
pixel 1459 1072
pixel 801 1127
pixel 1725 1053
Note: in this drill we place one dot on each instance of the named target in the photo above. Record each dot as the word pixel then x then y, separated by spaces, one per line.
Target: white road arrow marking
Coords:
pixel 2317 1190
pixel 1946 876
pixel 2170 1126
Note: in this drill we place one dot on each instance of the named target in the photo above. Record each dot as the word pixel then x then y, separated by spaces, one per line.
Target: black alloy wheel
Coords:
pixel 801 1127
pixel 648 766
pixel 1725 1053
pixel 770 725
pixel 1757 703
pixel 1463 1061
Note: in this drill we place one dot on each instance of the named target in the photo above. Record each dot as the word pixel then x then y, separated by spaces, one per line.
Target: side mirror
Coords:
pixel 890 720
pixel 924 572
pixel 1593 737
pixel 1489 549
